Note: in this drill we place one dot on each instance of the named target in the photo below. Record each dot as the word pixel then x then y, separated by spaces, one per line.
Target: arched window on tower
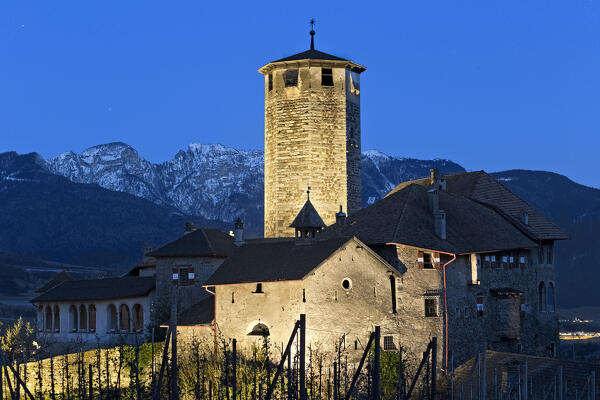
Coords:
pixel 542 296
pixel 551 306
pixel 56 319
pixel 138 318
pixel 82 318
pixel 111 318
pixel 48 319
pixel 92 317
pixel 124 318
pixel 73 320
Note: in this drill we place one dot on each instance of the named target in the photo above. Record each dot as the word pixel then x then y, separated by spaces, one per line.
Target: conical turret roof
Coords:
pixel 308 217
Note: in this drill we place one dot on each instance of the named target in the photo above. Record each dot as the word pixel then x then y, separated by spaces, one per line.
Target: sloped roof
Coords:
pixel 405 217
pixel 279 260
pixel 98 289
pixel 201 313
pixel 208 242
pixel 485 189
pixel 308 217
pixel 59 278
pixel 311 55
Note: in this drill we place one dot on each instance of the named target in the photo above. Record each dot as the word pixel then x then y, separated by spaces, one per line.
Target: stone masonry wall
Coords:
pixel 306 145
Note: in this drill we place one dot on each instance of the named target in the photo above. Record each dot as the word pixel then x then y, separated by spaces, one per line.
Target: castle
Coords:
pixel 458 257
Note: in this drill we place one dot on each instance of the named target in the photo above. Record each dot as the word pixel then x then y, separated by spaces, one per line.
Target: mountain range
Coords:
pixel 98 207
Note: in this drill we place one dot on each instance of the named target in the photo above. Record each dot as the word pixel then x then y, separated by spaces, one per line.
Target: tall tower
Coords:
pixel 312 137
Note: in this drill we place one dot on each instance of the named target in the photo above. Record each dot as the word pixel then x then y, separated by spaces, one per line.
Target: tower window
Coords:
pixel 270 78
pixel 291 77
pixel 427 261
pixel 431 307
pixel 393 291
pixel 326 77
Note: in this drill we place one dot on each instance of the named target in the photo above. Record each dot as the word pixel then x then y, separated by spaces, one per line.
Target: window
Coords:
pixel 291 77
pixel 138 318
pixel 259 288
pixel 427 261
pixel 393 291
pixel 73 320
pixel 82 318
pixel 551 306
pixel 486 261
pixel 92 316
pixel 431 307
pixel 504 263
pixel 347 283
pixel 270 79
pixel 493 261
pixel 326 77
pixel 111 318
pixel 523 309
pixel 232 297
pixel 542 296
pixel 183 276
pixel 480 305
pixel 124 318
pixel 48 319
pixel 388 343
pixel 303 295
pixel 56 319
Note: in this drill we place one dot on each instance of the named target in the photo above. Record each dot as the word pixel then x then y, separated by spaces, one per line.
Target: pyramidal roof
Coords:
pixel 308 217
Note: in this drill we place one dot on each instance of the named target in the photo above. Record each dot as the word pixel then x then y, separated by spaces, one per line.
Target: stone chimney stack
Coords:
pixel 189 227
pixel 340 217
pixel 434 200
pixel 436 179
pixel 238 233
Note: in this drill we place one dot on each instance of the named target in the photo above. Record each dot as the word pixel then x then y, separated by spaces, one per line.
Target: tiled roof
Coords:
pixel 278 260
pixel 201 313
pixel 208 242
pixel 59 278
pixel 485 189
pixel 98 289
pixel 308 217
pixel 311 55
pixel 405 217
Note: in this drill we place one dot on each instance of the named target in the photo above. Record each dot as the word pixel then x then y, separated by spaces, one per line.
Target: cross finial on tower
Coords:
pixel 312 33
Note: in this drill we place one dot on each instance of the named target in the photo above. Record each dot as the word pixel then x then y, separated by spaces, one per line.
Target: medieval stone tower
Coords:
pixel 312 137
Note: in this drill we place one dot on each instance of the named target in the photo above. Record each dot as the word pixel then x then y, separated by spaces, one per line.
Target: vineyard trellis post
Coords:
pixel 376 364
pixel 359 368
pixel 18 381
pixel 156 389
pixel 286 354
pixel 303 393
pixel 234 368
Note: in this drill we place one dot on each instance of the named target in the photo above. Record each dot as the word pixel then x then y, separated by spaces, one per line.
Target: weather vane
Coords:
pixel 312 33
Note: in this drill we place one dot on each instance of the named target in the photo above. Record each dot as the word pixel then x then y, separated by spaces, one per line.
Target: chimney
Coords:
pixel 340 217
pixel 189 227
pixel 525 216
pixel 434 200
pixel 440 223
pixel 238 233
pixel 146 249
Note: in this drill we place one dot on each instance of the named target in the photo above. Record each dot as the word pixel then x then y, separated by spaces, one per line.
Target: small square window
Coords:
pixel 291 77
pixel 427 261
pixel 431 309
pixel 326 77
pixel 259 288
pixel 388 343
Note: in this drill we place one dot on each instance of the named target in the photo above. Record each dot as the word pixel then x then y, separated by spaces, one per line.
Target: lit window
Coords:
pixel 291 77
pixel 427 261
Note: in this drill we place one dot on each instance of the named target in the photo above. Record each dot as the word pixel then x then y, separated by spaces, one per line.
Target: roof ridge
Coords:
pixel 208 241
pixel 410 193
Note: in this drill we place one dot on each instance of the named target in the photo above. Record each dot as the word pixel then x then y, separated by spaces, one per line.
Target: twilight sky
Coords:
pixel 492 85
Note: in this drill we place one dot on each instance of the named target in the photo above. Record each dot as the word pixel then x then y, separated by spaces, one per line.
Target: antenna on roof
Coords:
pixel 312 33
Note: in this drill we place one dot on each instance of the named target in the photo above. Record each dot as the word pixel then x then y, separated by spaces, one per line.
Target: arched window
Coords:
pixel 550 297
pixel 124 318
pixel 56 319
pixel 138 318
pixel 111 318
pixel 82 318
pixel 92 317
pixel 542 296
pixel 73 320
pixel 48 319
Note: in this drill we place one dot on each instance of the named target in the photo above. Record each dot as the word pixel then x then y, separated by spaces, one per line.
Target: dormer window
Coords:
pixel 259 288
pixel 291 77
pixel 326 77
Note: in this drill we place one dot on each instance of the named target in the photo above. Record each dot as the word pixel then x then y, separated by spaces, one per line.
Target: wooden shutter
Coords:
pixel 437 262
pixel 175 275
pixel 420 259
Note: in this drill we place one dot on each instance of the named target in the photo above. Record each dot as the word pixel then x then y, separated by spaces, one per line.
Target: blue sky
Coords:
pixel 491 85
